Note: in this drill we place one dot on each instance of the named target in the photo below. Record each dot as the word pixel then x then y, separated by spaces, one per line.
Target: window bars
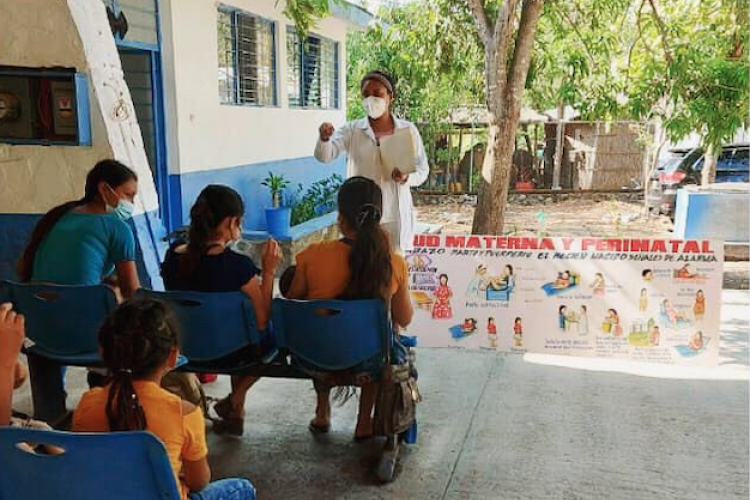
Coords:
pixel 247 58
pixel 313 71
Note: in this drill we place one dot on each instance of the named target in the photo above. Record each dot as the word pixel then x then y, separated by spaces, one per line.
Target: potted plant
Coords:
pixel 524 182
pixel 278 217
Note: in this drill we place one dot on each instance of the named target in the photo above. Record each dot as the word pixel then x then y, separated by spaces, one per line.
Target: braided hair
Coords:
pixel 136 340
pixel 360 203
pixel 111 172
pixel 214 204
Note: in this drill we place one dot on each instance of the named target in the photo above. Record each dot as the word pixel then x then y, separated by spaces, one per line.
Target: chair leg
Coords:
pixel 388 460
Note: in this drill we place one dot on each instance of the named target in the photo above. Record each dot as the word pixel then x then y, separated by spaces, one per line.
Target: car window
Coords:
pixel 738 162
pixel 688 161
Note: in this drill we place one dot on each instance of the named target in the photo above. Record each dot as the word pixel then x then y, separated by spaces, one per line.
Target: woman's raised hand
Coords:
pixel 326 131
pixel 272 255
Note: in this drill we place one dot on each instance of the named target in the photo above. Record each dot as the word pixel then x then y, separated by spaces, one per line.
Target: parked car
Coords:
pixel 654 187
pixel 732 165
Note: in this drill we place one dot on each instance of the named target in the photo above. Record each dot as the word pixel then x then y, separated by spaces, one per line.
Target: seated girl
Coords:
pixel 360 266
pixel 139 344
pixel 206 264
pixel 80 243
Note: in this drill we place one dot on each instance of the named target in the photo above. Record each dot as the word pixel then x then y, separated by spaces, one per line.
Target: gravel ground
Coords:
pixel 609 218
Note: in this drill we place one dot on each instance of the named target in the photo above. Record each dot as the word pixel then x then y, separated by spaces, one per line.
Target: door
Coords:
pixel 141 71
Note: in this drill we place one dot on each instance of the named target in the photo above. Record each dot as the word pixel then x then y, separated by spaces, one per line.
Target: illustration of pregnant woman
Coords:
pixel 442 308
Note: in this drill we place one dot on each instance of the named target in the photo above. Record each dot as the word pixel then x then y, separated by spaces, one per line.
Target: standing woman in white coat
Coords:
pixel 360 140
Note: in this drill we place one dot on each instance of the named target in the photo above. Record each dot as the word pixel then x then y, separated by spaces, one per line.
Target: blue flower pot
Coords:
pixel 278 221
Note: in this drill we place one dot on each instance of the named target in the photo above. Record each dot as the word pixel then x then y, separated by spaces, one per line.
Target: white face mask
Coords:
pixel 375 107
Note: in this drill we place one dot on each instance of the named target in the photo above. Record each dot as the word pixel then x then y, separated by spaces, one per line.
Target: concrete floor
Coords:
pixel 513 427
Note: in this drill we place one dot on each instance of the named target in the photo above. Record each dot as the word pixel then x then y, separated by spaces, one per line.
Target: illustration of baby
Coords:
pixel 478 283
pixel 598 285
pixel 518 332
pixel 643 301
pixel 583 321
pixel 492 332
pixel 699 309
pixel 442 308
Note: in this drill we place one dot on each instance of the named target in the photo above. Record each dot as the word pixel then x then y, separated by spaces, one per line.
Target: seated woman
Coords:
pixel 360 266
pixel 206 264
pixel 80 243
pixel 139 344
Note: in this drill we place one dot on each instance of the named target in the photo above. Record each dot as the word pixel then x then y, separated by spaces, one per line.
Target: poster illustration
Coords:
pixel 646 300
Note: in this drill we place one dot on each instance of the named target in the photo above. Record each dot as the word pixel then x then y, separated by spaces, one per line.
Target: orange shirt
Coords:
pixel 184 436
pixel 323 271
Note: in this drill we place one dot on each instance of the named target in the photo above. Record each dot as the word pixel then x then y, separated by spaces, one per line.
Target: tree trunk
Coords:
pixel 559 146
pixel 505 73
pixel 708 174
pixel 489 215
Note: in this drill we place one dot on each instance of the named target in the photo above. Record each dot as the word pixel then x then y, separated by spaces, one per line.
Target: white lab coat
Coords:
pixel 357 139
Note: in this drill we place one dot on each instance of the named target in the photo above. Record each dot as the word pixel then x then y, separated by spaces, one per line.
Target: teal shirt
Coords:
pixel 82 248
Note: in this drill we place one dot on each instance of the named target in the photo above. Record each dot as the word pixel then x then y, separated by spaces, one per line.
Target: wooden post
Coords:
pixel 558 146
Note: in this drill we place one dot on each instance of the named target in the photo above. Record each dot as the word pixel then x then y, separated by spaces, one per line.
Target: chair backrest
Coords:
pixel 332 334
pixel 61 319
pixel 115 466
pixel 212 325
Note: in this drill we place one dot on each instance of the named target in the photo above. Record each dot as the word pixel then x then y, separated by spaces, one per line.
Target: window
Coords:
pixel 247 58
pixel 313 71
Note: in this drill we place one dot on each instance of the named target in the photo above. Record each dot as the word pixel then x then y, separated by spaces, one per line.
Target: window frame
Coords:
pixel 300 66
pixel 234 12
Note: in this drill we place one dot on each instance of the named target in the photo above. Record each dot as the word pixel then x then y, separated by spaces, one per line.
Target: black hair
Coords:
pixel 136 340
pixel 517 319
pixel 112 172
pixel 440 278
pixel 214 204
pixel 380 75
pixel 360 203
pixel 645 272
pixel 510 268
pixel 560 309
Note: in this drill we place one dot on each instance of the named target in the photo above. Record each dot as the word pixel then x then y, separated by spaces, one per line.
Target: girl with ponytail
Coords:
pixel 359 266
pixel 81 242
pixel 139 344
pixel 206 263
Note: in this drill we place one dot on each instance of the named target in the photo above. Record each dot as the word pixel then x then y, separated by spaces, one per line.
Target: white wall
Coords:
pixel 34 178
pixel 45 33
pixel 206 135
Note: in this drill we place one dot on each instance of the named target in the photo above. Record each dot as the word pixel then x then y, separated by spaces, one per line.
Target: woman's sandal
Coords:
pixel 227 424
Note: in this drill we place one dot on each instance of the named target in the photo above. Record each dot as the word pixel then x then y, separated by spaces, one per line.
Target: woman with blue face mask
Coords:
pixel 360 141
pixel 81 242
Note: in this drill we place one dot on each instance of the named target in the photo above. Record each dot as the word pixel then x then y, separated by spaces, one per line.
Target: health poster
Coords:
pixel 647 300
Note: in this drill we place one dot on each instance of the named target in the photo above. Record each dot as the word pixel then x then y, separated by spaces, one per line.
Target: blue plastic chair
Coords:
pixel 332 334
pixel 62 321
pixel 115 466
pixel 212 326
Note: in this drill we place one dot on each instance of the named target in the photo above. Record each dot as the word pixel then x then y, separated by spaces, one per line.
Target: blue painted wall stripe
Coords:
pixel 246 179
